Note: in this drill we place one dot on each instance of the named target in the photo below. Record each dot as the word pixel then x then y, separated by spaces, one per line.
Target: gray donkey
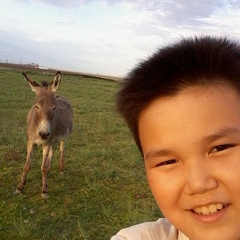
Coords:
pixel 49 121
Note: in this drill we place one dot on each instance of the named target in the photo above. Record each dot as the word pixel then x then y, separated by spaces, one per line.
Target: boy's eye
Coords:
pixel 168 162
pixel 221 147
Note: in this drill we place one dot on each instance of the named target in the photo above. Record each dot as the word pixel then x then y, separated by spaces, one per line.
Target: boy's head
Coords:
pixel 190 62
pixel 183 107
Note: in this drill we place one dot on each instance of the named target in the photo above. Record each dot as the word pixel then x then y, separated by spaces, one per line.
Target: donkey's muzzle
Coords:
pixel 44 135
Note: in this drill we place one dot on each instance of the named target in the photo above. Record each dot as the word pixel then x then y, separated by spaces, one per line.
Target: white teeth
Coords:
pixel 204 210
pixel 219 206
pixel 210 209
pixel 197 210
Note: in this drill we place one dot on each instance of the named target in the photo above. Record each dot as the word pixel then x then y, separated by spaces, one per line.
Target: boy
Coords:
pixel 182 106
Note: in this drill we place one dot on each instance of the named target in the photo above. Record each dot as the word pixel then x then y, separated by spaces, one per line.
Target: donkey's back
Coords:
pixel 64 119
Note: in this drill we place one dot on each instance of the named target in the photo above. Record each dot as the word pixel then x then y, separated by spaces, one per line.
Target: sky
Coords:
pixel 106 37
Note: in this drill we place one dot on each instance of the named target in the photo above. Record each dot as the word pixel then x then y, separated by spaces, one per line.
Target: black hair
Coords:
pixel 189 62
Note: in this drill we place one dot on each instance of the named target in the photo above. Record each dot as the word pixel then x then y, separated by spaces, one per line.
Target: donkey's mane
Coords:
pixel 44 83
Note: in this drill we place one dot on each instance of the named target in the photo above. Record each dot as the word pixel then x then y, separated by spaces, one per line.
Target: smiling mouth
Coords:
pixel 209 209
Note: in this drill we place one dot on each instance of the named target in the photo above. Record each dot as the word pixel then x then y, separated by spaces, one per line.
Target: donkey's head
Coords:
pixel 41 114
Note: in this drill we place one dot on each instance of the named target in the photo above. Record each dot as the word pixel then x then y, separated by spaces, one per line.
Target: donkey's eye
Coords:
pixel 53 108
pixel 36 106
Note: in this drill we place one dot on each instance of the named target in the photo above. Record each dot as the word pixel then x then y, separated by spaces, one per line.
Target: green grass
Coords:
pixel 104 187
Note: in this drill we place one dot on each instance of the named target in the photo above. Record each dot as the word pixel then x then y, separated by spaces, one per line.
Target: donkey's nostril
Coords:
pixel 44 135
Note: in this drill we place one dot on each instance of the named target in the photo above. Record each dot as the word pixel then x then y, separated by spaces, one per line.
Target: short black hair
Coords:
pixel 189 62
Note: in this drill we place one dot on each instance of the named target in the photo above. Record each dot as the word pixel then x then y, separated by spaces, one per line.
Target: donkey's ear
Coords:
pixel 31 83
pixel 55 82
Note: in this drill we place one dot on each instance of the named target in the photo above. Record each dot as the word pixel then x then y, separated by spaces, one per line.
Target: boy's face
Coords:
pixel 191 146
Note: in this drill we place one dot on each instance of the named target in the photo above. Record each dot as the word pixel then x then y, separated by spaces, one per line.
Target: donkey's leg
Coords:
pixel 30 150
pixel 45 168
pixel 49 157
pixel 62 155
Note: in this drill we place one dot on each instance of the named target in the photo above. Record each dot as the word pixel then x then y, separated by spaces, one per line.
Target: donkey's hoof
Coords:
pixel 17 192
pixel 44 196
pixel 62 172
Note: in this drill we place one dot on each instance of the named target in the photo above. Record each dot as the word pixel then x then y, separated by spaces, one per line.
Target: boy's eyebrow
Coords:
pixel 211 138
pixel 222 133
pixel 158 153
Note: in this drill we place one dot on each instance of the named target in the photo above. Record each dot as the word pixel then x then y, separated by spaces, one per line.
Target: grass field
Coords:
pixel 104 187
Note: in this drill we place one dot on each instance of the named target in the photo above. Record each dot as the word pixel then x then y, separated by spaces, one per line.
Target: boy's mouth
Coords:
pixel 209 209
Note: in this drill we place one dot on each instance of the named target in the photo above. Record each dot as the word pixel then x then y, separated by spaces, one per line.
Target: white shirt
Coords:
pixel 162 229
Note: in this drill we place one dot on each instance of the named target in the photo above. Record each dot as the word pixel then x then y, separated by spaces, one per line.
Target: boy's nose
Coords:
pixel 199 179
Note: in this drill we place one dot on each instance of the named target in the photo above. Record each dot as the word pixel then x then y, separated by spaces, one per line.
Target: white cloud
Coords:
pixel 111 35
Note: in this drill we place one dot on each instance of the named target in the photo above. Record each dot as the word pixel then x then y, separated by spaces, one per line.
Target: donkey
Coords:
pixel 49 121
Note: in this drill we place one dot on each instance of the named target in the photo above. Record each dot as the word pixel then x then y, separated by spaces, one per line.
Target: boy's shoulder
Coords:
pixel 159 230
